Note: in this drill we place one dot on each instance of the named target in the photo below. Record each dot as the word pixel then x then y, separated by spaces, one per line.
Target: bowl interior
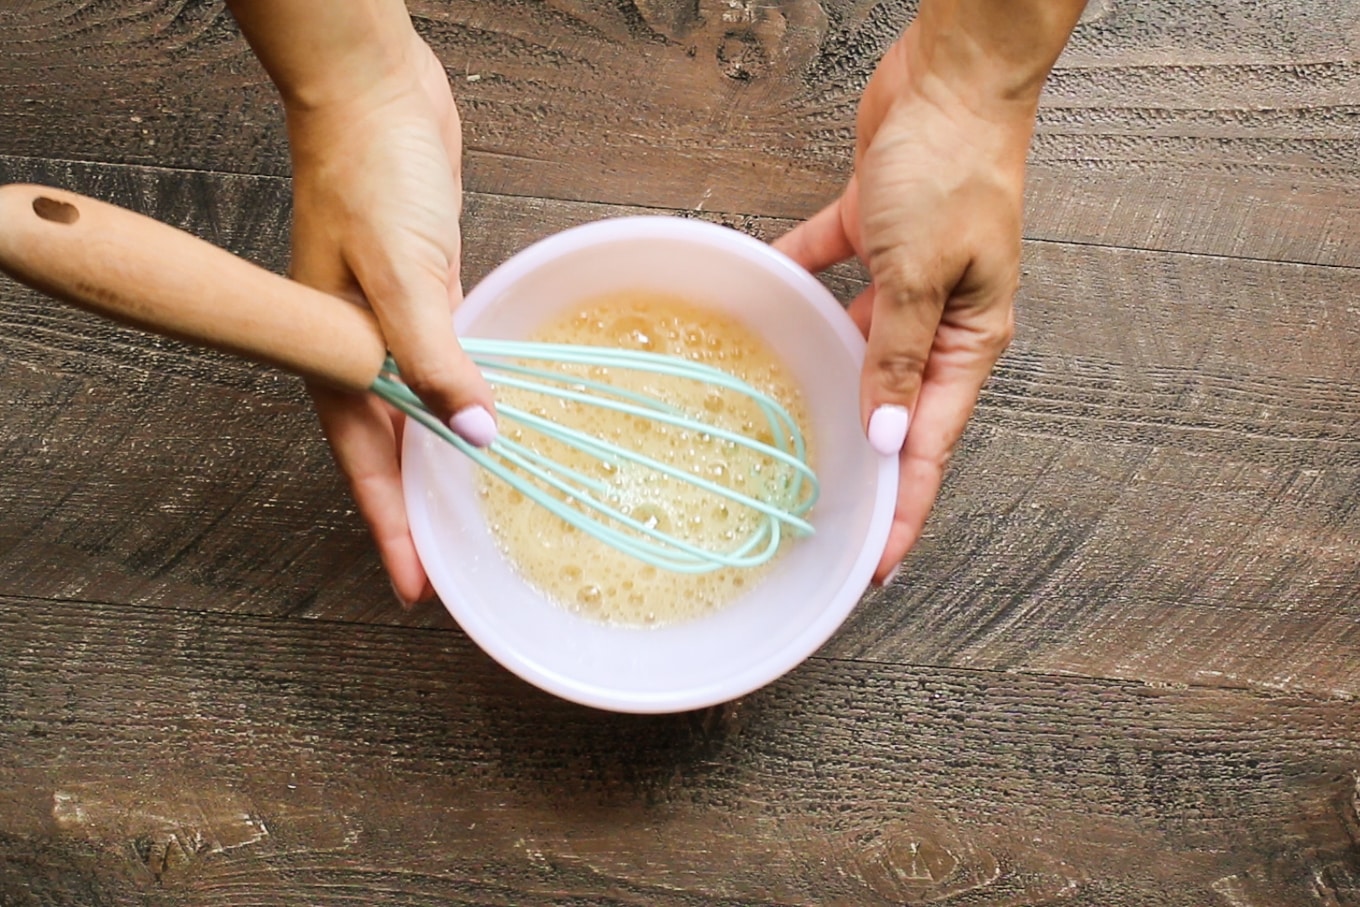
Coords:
pixel 812 586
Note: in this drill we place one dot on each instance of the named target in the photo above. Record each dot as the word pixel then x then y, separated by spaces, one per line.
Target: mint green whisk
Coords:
pixel 790 485
pixel 145 273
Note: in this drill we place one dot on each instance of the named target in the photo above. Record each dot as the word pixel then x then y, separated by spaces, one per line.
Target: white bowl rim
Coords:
pixel 816 632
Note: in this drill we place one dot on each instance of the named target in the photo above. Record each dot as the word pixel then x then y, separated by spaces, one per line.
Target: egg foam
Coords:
pixel 587 576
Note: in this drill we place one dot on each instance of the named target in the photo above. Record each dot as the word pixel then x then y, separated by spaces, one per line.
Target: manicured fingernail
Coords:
pixel 474 425
pixel 888 429
pixel 892 575
pixel 404 603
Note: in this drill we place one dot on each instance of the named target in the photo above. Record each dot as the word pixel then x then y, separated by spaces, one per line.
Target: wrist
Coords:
pixel 319 54
pixel 950 72
pixel 992 57
pixel 367 70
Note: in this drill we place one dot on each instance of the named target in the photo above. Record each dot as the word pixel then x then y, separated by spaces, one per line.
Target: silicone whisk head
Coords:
pixel 778 501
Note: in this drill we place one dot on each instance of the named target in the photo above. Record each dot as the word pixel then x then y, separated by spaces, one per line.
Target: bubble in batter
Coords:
pixel 584 574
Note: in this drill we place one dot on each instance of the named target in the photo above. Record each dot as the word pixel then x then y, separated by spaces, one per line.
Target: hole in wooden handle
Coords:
pixel 56 211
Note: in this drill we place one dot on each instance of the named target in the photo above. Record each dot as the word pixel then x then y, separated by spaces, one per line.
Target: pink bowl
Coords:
pixel 810 590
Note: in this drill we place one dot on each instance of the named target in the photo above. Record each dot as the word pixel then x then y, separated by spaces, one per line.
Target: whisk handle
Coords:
pixel 142 272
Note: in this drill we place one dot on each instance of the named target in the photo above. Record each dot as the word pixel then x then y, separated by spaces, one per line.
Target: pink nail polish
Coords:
pixel 888 429
pixel 474 425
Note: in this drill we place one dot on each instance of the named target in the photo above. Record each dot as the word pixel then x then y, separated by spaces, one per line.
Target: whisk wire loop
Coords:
pixel 547 426
pixel 592 444
pixel 493 353
pixel 664 551
pixel 582 501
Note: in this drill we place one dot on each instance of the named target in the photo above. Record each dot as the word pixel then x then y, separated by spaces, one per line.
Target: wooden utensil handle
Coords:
pixel 148 274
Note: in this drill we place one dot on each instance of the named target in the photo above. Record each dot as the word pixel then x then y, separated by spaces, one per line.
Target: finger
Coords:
pixel 920 476
pixel 821 240
pixel 861 310
pixel 942 411
pixel 907 304
pixel 411 299
pixel 364 442
pixel 960 363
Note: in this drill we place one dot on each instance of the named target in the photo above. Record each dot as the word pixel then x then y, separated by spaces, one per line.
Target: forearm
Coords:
pixel 320 51
pixel 992 54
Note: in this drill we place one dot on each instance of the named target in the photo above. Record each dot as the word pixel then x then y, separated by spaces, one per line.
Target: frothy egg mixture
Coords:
pixel 587 576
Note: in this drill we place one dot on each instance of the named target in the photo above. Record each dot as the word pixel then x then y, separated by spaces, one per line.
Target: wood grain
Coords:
pixel 1158 484
pixel 1191 127
pixel 1120 669
pixel 283 762
pixel 1168 437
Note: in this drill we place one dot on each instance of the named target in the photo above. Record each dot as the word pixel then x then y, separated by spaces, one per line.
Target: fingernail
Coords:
pixel 892 575
pixel 404 603
pixel 888 429
pixel 474 425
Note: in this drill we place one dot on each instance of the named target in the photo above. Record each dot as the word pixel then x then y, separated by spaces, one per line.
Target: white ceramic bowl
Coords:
pixel 810 590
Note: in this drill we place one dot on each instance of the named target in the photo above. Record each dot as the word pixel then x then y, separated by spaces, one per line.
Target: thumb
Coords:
pixel 412 305
pixel 822 240
pixel 906 306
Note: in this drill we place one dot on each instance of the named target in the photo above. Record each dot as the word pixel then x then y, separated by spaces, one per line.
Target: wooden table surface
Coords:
pixel 1120 669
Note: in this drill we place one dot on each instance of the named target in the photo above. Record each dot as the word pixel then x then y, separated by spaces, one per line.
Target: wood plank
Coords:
pixel 133 454
pixel 1158 484
pixel 1190 127
pixel 1120 669
pixel 176 758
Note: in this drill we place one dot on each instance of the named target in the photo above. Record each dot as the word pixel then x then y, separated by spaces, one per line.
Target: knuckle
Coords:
pixel 899 372
pixel 939 461
pixel 996 338
pixel 900 281
pixel 432 382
